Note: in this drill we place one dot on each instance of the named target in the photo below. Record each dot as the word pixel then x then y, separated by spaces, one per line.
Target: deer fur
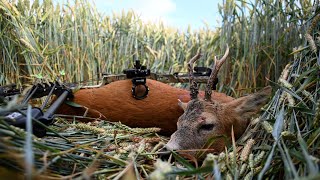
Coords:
pixel 114 102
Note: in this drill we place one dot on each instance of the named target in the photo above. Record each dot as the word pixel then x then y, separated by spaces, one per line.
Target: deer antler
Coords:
pixel 216 67
pixel 193 85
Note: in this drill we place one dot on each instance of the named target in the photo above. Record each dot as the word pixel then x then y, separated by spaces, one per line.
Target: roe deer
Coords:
pixel 114 102
pixel 209 118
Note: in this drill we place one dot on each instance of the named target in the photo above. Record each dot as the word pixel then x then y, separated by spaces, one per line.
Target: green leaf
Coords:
pixel 38 76
pixel 311 166
pixel 278 125
pixel 73 104
pixel 182 161
pixel 188 172
pixel 268 162
pixel 313 137
pixel 62 73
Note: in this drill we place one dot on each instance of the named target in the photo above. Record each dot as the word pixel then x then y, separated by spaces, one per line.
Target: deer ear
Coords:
pixel 182 104
pixel 248 106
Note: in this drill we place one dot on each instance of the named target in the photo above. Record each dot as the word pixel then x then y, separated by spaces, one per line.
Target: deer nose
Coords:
pixel 172 144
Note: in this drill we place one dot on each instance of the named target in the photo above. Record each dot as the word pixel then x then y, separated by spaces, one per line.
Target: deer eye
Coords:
pixel 206 127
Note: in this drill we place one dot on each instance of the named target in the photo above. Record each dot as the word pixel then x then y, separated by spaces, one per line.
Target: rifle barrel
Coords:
pixel 165 78
pixel 57 103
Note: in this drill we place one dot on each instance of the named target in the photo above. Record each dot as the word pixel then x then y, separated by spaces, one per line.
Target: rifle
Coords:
pixel 18 117
pixel 140 73
pixel 201 76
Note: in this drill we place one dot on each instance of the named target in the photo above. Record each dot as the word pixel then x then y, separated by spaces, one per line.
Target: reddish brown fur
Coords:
pixel 115 102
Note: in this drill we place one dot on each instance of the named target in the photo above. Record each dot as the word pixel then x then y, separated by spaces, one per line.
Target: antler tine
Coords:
pixel 216 67
pixel 193 85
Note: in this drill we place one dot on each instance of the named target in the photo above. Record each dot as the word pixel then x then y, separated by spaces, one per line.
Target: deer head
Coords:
pixel 206 119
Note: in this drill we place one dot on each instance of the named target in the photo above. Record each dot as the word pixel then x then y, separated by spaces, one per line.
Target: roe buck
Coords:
pixel 114 102
pixel 209 118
